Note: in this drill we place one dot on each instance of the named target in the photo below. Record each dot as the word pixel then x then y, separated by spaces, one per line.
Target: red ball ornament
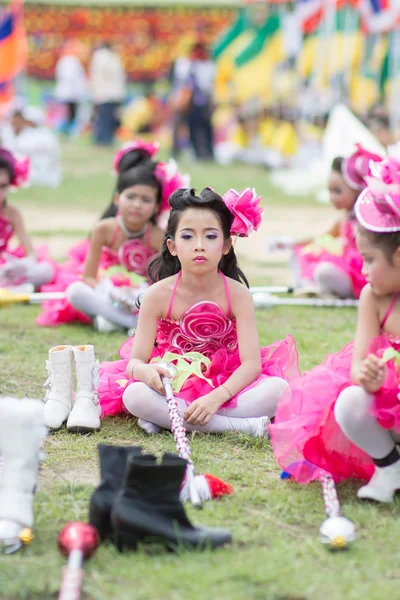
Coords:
pixel 78 536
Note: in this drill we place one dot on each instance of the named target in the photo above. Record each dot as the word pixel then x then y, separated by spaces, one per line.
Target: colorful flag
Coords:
pixel 13 43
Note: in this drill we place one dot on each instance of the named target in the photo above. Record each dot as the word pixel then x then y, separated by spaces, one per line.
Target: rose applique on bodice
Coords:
pixel 392 339
pixel 203 328
pixel 135 256
pixel 6 232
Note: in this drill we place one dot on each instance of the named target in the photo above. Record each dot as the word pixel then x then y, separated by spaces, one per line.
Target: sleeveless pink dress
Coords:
pixel 205 329
pixel 134 256
pixel 347 259
pixel 6 234
pixel 305 436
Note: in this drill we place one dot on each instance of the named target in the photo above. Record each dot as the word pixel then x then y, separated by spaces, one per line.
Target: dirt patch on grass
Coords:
pixel 81 474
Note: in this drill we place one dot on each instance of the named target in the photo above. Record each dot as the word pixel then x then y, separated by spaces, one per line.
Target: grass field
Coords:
pixel 275 554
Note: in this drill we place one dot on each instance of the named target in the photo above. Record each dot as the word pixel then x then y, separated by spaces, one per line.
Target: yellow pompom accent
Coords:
pixel 339 541
pixel 26 536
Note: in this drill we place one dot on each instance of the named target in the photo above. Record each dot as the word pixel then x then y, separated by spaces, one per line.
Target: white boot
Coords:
pixel 59 396
pixel 22 432
pixel 383 484
pixel 86 410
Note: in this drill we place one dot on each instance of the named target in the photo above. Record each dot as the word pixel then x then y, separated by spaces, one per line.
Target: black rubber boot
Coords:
pixel 148 507
pixel 113 461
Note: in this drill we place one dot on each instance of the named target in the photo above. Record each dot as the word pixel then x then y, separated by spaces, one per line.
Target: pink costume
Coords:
pixel 204 344
pixel 6 233
pixel 133 256
pixel 305 436
pixel 341 251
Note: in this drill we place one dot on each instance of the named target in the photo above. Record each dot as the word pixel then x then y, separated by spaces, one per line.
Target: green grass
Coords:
pixel 275 554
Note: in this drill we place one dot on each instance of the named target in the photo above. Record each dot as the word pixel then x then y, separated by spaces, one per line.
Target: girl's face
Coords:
pixel 4 185
pixel 136 205
pixel 199 241
pixel 381 274
pixel 341 195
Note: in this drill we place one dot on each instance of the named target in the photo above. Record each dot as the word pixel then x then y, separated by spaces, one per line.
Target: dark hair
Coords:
pixel 164 265
pixel 337 164
pixel 387 242
pixel 141 172
pixel 5 166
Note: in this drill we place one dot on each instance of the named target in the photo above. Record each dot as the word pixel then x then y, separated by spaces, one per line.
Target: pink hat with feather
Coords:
pixel 356 167
pixel 378 206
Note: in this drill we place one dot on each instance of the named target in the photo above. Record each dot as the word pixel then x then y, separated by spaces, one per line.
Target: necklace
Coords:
pixel 130 234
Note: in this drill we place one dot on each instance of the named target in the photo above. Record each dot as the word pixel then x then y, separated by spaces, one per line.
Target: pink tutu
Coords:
pixel 278 360
pixel 59 312
pixel 133 257
pixel 305 436
pixel 346 258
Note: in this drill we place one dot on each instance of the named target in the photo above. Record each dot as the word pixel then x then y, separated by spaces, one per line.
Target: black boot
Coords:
pixel 148 507
pixel 113 460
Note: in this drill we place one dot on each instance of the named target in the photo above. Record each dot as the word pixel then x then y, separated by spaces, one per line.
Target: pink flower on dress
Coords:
pixel 205 326
pixel 135 256
pixel 150 147
pixel 245 206
pixel 19 168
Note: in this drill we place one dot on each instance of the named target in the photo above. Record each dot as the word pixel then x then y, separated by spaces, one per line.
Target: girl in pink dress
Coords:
pixel 200 315
pixel 106 272
pixel 331 264
pixel 22 264
pixel 343 417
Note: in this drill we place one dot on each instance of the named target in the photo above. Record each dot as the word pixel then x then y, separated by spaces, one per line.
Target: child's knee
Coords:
pixel 136 397
pixel 324 272
pixel 75 292
pixel 352 406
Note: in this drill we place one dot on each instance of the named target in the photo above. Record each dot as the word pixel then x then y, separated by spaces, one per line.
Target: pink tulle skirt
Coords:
pixel 350 262
pixel 59 312
pixel 305 436
pixel 280 359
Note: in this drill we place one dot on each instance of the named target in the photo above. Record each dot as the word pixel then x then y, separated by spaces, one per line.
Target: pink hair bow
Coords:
pixel 170 180
pixel 150 147
pixel 246 209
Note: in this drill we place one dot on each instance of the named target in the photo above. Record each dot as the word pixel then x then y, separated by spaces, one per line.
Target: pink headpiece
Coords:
pixel 355 168
pixel 246 209
pixel 150 147
pixel 378 206
pixel 170 180
pixel 19 168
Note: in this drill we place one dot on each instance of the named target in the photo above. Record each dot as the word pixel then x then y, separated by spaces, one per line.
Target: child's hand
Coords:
pixel 151 376
pixel 201 410
pixel 372 373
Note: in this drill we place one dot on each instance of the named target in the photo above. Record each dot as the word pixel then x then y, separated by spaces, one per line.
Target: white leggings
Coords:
pixel 333 280
pixel 352 413
pixel 329 278
pixel 40 273
pixel 260 401
pixel 89 301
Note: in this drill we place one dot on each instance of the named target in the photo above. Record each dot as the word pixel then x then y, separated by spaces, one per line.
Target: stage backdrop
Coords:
pixel 148 39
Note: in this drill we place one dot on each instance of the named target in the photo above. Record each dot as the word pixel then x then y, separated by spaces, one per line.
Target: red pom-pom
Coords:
pixel 218 488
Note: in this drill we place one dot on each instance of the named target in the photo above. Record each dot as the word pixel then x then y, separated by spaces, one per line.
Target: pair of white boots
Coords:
pixel 22 432
pixel 81 410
